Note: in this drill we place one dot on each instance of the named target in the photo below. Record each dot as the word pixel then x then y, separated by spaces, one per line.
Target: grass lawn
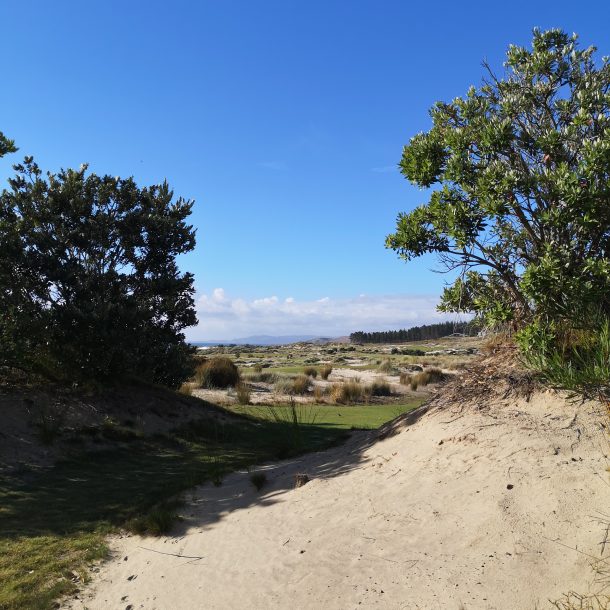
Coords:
pixel 365 417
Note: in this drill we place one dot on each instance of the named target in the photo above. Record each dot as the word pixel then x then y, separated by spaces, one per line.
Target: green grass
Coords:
pixel 338 417
pixel 53 521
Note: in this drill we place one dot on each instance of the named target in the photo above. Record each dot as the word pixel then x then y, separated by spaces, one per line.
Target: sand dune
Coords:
pixel 492 504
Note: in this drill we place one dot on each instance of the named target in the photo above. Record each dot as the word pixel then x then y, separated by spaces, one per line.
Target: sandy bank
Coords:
pixel 492 504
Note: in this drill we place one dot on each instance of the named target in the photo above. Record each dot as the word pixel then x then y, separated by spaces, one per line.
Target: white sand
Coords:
pixel 408 522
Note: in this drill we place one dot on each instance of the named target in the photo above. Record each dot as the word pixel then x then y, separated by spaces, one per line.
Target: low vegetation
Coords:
pixel 380 388
pixel 347 392
pixel 300 384
pixel 218 372
pixel 258 479
pixel 242 392
pixel 325 371
pixel 311 371
pixel 136 484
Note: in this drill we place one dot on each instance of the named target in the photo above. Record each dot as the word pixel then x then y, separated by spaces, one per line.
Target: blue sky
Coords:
pixel 284 121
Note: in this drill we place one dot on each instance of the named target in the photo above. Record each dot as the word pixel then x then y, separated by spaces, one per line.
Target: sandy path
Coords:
pixel 423 519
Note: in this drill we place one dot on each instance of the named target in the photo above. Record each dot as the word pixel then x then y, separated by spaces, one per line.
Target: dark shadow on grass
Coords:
pixel 210 504
pixel 107 488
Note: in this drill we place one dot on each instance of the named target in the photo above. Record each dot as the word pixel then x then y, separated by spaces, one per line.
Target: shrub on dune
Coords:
pixel 217 373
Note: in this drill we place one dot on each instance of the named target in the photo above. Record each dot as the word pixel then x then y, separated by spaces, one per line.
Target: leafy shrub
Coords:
pixel 311 371
pixel 109 249
pixel 219 372
pixel 575 359
pixel 413 352
pixel 325 371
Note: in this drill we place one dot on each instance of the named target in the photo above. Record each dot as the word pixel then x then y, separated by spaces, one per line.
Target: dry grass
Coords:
pixel 318 394
pixel 350 391
pixel 325 371
pixel 380 388
pixel 405 378
pixel 575 601
pixel 262 376
pixel 218 372
pixel 186 389
pixel 310 371
pixel 300 384
pixel 496 342
pixel 242 391
pixel 387 366
pixel 431 375
pixel 283 385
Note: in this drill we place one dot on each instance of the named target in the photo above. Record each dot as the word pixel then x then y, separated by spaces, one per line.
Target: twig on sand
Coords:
pixel 605 540
pixel 171 554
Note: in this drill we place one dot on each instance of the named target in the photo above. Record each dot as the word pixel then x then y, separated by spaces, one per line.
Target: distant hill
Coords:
pixel 266 340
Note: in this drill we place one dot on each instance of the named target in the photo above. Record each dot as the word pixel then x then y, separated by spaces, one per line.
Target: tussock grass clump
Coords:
pixel 350 391
pixel 186 389
pixel 283 385
pixel 157 521
pixel 217 373
pixel 242 391
pixel 300 384
pixel 310 371
pixel 380 388
pixel 431 375
pixel 258 479
pixel 264 377
pixel 387 366
pixel 319 393
pixel 325 371
pixel 435 374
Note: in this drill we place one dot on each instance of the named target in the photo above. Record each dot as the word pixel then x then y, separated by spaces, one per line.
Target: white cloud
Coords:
pixel 223 317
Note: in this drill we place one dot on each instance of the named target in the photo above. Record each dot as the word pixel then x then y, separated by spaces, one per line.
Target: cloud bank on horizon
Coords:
pixel 222 317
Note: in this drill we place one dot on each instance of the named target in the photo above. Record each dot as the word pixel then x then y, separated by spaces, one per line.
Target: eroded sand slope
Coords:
pixel 478 505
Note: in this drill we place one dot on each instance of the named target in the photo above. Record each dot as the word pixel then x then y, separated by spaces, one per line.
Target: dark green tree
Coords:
pixel 91 282
pixel 6 145
pixel 521 170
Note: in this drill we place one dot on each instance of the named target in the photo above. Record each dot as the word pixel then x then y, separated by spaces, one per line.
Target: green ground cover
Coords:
pixel 53 521
pixel 361 417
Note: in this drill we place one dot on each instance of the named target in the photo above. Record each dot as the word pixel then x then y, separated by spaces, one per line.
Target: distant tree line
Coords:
pixel 417 333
